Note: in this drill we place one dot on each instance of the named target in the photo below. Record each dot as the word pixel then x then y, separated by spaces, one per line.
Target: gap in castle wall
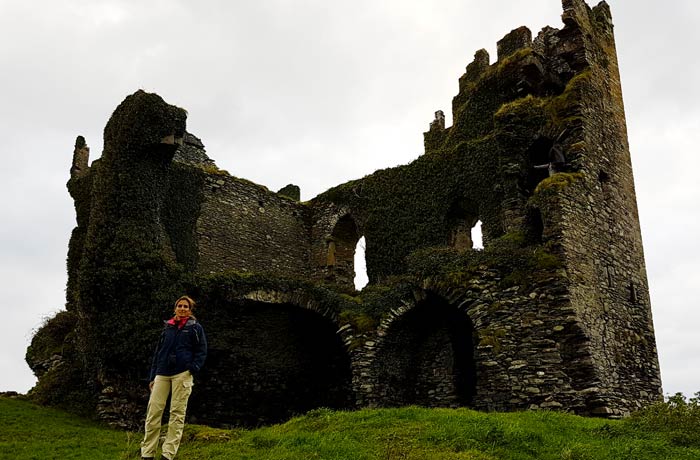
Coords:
pixel 477 237
pixel 361 278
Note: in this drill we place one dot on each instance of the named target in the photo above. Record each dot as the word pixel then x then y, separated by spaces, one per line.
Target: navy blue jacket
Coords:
pixel 179 350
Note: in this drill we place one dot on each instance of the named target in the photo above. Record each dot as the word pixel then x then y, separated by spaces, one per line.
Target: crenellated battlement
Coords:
pixel 516 40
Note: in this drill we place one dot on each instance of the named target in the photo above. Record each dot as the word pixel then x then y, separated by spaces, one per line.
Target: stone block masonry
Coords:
pixel 244 227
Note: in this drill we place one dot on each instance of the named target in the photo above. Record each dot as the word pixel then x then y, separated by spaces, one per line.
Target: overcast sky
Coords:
pixel 316 93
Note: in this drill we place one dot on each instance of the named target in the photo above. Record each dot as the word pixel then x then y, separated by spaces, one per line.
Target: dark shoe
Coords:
pixel 163 457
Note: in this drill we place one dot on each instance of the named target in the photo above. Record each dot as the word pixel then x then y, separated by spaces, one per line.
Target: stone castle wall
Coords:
pixel 244 227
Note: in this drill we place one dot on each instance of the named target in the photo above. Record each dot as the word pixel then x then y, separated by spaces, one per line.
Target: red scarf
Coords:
pixel 180 323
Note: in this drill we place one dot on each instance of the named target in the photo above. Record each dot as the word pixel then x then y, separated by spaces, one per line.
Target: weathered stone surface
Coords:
pixel 516 40
pixel 81 156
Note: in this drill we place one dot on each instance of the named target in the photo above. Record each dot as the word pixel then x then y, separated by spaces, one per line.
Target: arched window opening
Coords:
pixel 340 251
pixel 361 278
pixel 462 219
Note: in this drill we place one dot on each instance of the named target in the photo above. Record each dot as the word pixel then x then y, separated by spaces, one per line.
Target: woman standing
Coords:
pixel 180 353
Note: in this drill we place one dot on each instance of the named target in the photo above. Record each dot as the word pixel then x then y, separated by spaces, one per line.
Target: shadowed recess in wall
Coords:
pixel 427 357
pixel 269 362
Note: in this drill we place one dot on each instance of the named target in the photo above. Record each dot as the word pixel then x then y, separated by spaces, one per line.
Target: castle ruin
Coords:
pixel 553 313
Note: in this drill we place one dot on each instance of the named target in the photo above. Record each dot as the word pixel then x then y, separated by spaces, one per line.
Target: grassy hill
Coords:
pixel 28 431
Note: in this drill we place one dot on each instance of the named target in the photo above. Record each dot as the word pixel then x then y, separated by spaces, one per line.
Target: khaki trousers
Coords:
pixel 180 388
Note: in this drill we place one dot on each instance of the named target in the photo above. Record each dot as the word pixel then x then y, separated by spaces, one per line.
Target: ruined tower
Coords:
pixel 553 313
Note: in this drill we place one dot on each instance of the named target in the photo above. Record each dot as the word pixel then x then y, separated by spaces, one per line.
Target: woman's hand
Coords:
pixel 150 385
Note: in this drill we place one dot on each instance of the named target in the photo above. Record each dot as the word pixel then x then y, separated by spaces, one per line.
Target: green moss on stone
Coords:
pixel 360 322
pixel 557 181
pixel 521 108
pixel 492 337
pixel 565 107
pixel 213 170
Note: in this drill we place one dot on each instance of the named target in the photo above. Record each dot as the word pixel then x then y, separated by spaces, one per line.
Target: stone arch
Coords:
pixel 273 355
pixel 426 355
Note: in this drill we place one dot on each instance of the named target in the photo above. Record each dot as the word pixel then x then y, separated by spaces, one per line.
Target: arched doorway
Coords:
pixel 268 362
pixel 427 357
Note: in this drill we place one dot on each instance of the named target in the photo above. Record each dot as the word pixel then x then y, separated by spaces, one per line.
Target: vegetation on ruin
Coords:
pixel 516 262
pixel 129 264
pixel 554 112
pixel 64 386
pixel 219 289
pixel 455 180
pixel 665 430
pixel 413 206
pixel 558 181
pixel 564 108
pixel 214 170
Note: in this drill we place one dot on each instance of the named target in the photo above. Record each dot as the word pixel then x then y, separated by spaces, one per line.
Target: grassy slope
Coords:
pixel 29 432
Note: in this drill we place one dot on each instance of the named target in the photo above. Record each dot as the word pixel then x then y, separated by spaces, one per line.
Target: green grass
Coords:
pixel 28 431
pixel 33 432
